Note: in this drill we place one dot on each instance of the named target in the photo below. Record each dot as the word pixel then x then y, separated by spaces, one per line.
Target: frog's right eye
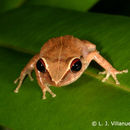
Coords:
pixel 41 65
pixel 76 65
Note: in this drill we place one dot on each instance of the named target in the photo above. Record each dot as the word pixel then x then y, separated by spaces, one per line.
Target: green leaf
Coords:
pixel 6 5
pixel 22 33
pixel 79 5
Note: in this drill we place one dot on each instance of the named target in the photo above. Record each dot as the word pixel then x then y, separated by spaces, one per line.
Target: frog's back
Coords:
pixel 61 47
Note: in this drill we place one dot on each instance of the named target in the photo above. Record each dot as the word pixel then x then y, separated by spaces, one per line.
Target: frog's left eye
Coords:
pixel 76 65
pixel 40 65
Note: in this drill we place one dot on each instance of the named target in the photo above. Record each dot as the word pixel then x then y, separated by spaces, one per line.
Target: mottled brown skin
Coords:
pixel 58 54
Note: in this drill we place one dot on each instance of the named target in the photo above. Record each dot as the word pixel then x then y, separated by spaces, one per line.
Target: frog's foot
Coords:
pixel 20 79
pixel 19 84
pixel 44 90
pixel 16 91
pixel 113 73
pixel 15 82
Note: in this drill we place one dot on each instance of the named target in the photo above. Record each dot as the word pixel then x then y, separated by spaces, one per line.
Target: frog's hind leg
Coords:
pixel 26 71
pixel 109 69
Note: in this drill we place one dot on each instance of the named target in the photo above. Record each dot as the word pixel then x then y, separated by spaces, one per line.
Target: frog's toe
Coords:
pixel 115 78
pixel 115 72
pixel 16 91
pixel 54 95
pixel 123 71
pixel 104 79
pixel 107 76
pixel 44 97
pixel 104 72
pixel 15 81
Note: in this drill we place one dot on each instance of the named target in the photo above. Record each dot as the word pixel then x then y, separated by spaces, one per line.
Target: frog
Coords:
pixel 61 61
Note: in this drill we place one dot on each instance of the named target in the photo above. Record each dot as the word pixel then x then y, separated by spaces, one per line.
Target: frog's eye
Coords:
pixel 40 65
pixel 76 65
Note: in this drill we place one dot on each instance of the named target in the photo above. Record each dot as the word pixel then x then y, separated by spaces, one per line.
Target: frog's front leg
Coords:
pixel 26 71
pixel 42 84
pixel 109 69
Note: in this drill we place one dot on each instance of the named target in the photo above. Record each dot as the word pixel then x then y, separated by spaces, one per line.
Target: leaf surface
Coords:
pixel 79 5
pixel 6 5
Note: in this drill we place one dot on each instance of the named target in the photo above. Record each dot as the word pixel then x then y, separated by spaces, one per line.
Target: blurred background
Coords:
pixel 120 7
